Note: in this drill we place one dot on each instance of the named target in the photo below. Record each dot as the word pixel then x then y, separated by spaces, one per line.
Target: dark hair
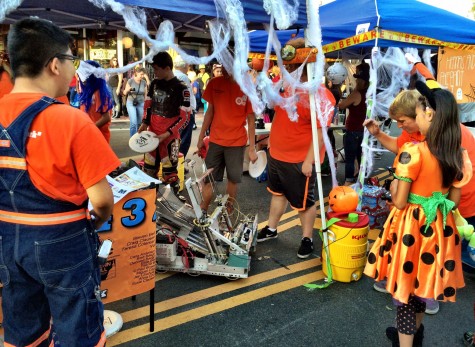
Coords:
pixel 444 137
pixel 32 42
pixel 90 86
pixel 162 60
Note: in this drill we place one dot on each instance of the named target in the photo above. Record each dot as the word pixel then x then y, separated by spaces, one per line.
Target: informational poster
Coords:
pixel 456 71
pixel 131 180
pixel 130 267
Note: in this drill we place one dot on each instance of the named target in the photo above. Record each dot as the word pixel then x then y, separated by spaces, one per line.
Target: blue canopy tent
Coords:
pixel 417 21
pixel 253 9
pixel 258 38
pixel 186 15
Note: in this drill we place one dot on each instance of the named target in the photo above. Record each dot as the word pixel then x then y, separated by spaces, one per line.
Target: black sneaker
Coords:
pixel 265 234
pixel 306 248
pixel 392 334
pixel 468 339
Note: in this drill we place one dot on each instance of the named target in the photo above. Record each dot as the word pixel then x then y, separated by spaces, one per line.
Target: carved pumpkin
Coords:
pixel 343 199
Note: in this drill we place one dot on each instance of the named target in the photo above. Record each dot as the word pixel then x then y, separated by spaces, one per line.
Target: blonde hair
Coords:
pixel 405 104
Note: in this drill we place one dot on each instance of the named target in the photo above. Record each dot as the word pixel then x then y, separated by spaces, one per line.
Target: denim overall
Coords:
pixel 48 254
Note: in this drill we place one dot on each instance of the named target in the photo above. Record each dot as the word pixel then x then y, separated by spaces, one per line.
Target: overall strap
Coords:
pixel 22 125
pixel 13 143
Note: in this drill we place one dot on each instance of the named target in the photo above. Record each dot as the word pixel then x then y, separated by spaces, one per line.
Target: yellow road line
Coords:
pixel 285 216
pixel 317 224
pixel 209 309
pixel 220 289
pixel 288 225
pixel 161 277
pixel 288 215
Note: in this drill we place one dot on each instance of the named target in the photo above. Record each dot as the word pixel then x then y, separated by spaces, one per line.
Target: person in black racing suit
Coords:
pixel 167 109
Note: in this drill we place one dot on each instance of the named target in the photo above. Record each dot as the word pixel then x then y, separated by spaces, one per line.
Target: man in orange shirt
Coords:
pixel 291 170
pixel 228 111
pixel 53 160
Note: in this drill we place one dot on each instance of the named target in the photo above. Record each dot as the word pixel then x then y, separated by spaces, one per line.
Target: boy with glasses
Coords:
pixel 54 160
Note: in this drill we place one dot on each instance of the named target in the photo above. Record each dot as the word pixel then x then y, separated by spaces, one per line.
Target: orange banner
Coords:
pixel 350 41
pixel 261 56
pixel 300 55
pixel 421 40
pixel 456 71
pixel 392 36
pixel 130 267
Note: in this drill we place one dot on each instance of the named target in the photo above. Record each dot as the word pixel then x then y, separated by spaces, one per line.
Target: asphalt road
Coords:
pixel 272 307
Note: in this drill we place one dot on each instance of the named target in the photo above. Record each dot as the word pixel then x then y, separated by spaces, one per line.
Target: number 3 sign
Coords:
pixel 130 267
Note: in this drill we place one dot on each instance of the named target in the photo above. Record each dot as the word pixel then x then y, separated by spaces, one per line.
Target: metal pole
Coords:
pixel 84 43
pixel 120 48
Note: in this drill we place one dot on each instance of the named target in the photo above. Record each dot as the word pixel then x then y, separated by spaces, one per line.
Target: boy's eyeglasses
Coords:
pixel 76 60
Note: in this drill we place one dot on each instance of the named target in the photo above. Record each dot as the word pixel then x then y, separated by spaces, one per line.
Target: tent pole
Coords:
pixel 313 37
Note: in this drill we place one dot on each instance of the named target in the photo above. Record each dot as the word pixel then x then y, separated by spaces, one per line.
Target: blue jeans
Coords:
pixel 48 272
pixel 135 116
pixel 352 144
pixel 186 135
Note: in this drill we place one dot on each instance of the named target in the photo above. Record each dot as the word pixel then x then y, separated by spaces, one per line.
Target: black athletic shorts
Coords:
pixel 287 179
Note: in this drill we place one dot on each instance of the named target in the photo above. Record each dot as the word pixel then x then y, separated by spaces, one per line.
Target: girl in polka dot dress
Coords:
pixel 419 248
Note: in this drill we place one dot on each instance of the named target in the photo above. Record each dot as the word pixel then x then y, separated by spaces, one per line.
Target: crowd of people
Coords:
pixel 416 258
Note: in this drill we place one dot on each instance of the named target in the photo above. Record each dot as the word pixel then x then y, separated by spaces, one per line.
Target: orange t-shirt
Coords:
pixel 231 107
pixel 65 152
pixel 467 199
pixel 96 114
pixel 6 84
pixel 289 141
pixel 405 137
pixel 64 99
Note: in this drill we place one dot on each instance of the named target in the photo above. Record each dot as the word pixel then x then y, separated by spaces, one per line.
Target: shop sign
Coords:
pixel 102 54
pixel 456 72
